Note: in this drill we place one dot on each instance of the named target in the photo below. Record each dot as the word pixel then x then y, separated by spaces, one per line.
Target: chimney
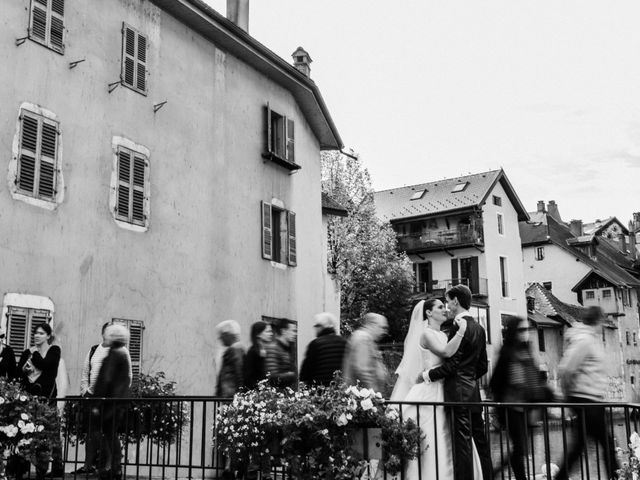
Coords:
pixel 238 13
pixel 622 238
pixel 576 228
pixel 632 246
pixel 541 206
pixel 302 61
pixel 636 222
pixel 552 209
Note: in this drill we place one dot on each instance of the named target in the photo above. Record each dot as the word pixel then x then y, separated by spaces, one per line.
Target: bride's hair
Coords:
pixel 429 304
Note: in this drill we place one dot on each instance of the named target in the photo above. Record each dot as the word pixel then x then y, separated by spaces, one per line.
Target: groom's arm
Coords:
pixel 449 366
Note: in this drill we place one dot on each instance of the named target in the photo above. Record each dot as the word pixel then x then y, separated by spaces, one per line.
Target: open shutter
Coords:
pixel 139 175
pixel 292 247
pixel 290 140
pixel 128 55
pixel 454 271
pixel 17 329
pixel 135 348
pixel 57 24
pixel 28 153
pixel 37 317
pixel 267 232
pixel 141 66
pixel 474 281
pixel 48 149
pixel 269 139
pixel 124 181
pixel 38 28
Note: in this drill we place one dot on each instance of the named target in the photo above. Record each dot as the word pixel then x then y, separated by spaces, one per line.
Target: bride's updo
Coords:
pixel 428 306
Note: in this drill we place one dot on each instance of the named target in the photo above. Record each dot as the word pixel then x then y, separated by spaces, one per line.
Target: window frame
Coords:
pixel 288 249
pixel 135 59
pixel 280 139
pixel 539 253
pixel 51 16
pixel 500 220
pixel 33 304
pixel 504 276
pixel 497 200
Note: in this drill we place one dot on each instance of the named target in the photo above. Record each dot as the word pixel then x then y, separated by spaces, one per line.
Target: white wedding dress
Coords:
pixel 435 461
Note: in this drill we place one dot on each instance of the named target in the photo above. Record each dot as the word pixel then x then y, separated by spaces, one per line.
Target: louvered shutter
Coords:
pixel 128 55
pixel 28 153
pixel 17 329
pixel 141 66
pixel 48 149
pixel 37 317
pixel 269 139
pixel 291 237
pixel 136 330
pixel 289 140
pixel 454 271
pixel 267 231
pixel 56 30
pixel 137 201
pixel 38 28
pixel 124 182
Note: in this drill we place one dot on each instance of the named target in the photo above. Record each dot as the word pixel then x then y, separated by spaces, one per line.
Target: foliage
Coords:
pixel 29 426
pixel 631 468
pixel 363 255
pixel 311 430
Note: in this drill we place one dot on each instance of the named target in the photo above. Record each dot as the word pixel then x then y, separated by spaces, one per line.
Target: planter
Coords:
pixel 367 442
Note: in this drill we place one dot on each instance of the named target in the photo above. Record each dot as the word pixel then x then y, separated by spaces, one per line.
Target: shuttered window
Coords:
pixel 46 23
pixel 136 329
pixel 38 156
pixel 280 139
pixel 279 241
pixel 134 59
pixel 21 322
pixel 131 198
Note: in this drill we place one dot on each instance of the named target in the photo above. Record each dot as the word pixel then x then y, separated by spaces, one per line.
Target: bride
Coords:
pixel 424 347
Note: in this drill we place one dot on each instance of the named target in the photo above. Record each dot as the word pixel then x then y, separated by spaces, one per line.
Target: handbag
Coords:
pixel 33 373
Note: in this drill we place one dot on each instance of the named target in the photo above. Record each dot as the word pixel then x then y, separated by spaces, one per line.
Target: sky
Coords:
pixel 430 89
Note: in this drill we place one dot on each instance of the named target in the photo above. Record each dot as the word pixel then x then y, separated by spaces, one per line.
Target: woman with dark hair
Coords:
pixel 517 379
pixel 255 368
pixel 38 365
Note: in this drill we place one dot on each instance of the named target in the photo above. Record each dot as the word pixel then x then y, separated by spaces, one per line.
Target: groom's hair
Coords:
pixel 462 293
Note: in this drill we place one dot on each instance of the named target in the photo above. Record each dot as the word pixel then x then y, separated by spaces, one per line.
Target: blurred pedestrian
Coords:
pixel 325 353
pixel 112 383
pixel 280 363
pixel 8 368
pixel 583 378
pixel 362 359
pixel 230 378
pixel 517 379
pixel 255 368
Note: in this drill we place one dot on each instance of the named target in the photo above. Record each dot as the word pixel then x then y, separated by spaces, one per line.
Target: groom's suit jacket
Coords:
pixel 462 370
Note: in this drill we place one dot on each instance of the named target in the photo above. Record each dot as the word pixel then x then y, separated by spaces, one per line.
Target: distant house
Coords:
pixel 463 230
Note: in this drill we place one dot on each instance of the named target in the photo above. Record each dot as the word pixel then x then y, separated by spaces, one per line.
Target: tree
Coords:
pixel 363 255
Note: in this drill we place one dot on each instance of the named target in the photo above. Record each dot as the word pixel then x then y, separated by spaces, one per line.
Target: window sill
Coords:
pixel 291 166
pixel 278 265
pixel 49 46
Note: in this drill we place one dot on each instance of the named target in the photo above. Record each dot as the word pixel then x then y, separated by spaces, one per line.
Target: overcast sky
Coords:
pixel 426 89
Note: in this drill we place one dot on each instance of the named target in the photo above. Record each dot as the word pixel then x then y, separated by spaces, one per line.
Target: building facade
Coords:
pixel 150 149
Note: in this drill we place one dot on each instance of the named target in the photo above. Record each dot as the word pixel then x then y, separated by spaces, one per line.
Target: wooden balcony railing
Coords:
pixel 437 239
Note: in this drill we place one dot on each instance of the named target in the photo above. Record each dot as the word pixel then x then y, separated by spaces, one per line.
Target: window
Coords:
pixel 606 294
pixel 136 329
pixel 497 201
pixel 504 276
pixel 635 339
pixel 460 187
pixel 20 324
pixel 481 314
pixel 46 23
pixel 280 140
pixel 590 295
pixel 626 297
pixel 547 285
pixel 632 380
pixel 278 234
pixel 134 59
pixel 131 202
pixel 541 344
pixel 418 195
pixel 500 224
pixel 37 165
pixel 539 253
pixel 628 336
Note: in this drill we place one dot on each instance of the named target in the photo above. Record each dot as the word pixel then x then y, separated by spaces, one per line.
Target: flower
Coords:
pixel 366 404
pixel 342 420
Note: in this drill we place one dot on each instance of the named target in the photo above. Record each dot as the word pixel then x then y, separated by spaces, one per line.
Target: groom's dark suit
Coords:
pixel 460 374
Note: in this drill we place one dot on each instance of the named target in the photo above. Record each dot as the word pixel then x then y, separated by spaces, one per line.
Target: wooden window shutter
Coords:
pixel 37 317
pixel 290 150
pixel 137 200
pixel 17 329
pixel 269 133
pixel 267 231
pixel 474 281
pixel 56 30
pixel 128 55
pixel 454 271
pixel 291 232
pixel 124 182
pixel 48 151
pixel 38 29
pixel 28 153
pixel 136 330
pixel 141 66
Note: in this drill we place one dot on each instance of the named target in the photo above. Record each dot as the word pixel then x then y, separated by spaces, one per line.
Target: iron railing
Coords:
pixel 188 450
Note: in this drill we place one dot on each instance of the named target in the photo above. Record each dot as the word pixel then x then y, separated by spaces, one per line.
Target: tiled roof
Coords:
pixel 438 197
pixel 549 305
pixel 590 228
pixel 331 207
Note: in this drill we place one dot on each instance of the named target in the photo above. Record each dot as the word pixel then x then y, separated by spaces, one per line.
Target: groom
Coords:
pixel 461 373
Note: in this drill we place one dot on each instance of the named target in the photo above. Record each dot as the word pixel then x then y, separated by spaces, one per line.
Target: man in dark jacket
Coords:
pixel 461 373
pixel 280 361
pixel 325 353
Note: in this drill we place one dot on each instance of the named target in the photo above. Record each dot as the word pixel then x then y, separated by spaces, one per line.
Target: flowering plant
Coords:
pixel 311 430
pixel 29 426
pixel 631 468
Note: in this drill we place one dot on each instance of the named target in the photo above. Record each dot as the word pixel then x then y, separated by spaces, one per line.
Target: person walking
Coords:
pixel 255 368
pixel 113 382
pixel 325 353
pixel 362 360
pixel 517 379
pixel 280 363
pixel 583 379
pixel 230 378
pixel 8 368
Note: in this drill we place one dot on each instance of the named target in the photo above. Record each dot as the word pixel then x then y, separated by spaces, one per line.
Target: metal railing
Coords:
pixel 187 450
pixel 440 238
pixel 440 286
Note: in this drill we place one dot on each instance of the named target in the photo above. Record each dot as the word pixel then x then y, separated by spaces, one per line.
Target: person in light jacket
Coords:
pixel 362 360
pixel 230 378
pixel 584 380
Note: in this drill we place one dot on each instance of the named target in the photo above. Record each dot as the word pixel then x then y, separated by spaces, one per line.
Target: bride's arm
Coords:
pixel 433 343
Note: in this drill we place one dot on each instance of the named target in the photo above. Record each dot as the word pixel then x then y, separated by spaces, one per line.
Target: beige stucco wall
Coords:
pixel 200 261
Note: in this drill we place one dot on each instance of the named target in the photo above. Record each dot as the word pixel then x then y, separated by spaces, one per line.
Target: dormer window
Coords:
pixel 460 187
pixel 418 195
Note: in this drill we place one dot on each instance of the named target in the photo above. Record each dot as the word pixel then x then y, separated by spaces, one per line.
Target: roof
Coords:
pixel 544 321
pixel 595 228
pixel 225 34
pixel 438 198
pixel 548 305
pixel 331 207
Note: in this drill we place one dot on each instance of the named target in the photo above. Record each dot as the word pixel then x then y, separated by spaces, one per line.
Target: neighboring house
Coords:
pixel 589 269
pixel 463 230
pixel 330 208
pixel 149 148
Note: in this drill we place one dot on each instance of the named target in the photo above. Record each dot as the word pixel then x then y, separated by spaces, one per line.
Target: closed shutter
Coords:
pixel 124 181
pixel 46 23
pixel 134 59
pixel 133 175
pixel 268 132
pixel 38 156
pixel 290 134
pixel 474 280
pixel 28 153
pixel 137 202
pixel 141 66
pixel 292 247
pixel 454 271
pixel 136 330
pixel 57 24
pixel 48 149
pixel 37 317
pixel 39 20
pixel 267 240
pixel 17 329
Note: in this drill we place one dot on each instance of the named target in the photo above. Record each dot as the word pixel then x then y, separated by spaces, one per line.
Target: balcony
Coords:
pixel 441 239
pixel 479 286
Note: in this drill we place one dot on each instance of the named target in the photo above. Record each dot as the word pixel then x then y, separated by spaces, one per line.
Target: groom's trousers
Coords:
pixel 467 425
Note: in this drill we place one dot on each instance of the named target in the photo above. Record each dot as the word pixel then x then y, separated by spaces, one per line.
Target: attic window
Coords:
pixel 460 187
pixel 418 195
